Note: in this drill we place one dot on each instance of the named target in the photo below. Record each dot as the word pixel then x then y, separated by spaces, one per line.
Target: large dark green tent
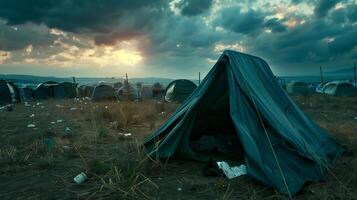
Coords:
pixel 9 92
pixel 179 90
pixel 65 90
pixel 240 99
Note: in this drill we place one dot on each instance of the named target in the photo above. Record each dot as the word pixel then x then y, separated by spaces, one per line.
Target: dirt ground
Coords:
pixel 104 141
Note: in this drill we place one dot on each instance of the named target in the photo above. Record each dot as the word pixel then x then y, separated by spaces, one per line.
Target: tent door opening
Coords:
pixel 213 133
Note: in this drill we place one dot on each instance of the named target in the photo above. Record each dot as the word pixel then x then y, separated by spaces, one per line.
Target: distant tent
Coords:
pixel 26 93
pixel 103 92
pixel 45 90
pixel 85 90
pixel 320 87
pixel 117 85
pixel 146 92
pixel 9 93
pixel 158 91
pixel 240 113
pixel 65 90
pixel 340 88
pixel 127 93
pixel 179 90
pixel 297 87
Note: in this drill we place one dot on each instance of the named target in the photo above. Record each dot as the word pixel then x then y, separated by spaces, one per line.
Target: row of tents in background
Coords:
pixel 334 88
pixel 176 91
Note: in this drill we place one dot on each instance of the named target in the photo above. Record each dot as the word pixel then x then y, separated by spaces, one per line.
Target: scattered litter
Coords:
pixel 162 113
pixel 27 104
pixel 355 118
pixel 32 115
pixel 31 126
pixel 127 134
pixel 59 121
pixel 179 189
pixel 42 107
pixel 53 122
pixel 73 108
pixel 59 106
pixel 232 172
pixel 80 178
pixel 65 147
pixel 38 103
pixel 2 107
pixel 67 129
pixel 106 107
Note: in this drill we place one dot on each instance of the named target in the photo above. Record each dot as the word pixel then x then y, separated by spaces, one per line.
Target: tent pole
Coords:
pixel 354 69
pixel 199 78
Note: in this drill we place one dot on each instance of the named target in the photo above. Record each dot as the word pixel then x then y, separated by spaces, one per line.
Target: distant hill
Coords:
pixel 34 80
pixel 348 72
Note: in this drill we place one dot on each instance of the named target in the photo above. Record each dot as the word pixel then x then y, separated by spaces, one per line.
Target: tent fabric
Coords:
pixel 340 88
pixel 297 87
pixel 103 92
pixel 65 90
pixel 85 90
pixel 45 90
pixel 9 93
pixel 26 94
pixel 179 90
pixel 281 146
pixel 127 93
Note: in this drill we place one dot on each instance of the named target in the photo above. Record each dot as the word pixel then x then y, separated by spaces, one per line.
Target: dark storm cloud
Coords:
pixel 344 43
pixel 323 6
pixel 193 7
pixel 14 38
pixel 238 21
pixel 76 15
pixel 275 25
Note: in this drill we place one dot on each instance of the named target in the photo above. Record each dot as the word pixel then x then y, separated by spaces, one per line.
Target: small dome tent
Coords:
pixel 297 87
pixel 158 91
pixel 179 90
pixel 117 85
pixel 26 93
pixel 85 90
pixel 103 92
pixel 340 88
pixel 65 90
pixel 128 93
pixel 44 90
pixel 9 93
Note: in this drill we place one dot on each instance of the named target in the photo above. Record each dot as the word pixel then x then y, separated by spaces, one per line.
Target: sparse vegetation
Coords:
pixel 40 163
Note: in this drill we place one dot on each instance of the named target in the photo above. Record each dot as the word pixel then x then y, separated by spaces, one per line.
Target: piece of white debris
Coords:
pixel 42 107
pixel 232 172
pixel 127 134
pixel 355 118
pixel 27 104
pixel 38 103
pixel 179 189
pixel 80 178
pixel 73 108
pixel 67 129
pixel 65 147
pixel 32 115
pixel 31 126
pixel 59 121
pixel 53 122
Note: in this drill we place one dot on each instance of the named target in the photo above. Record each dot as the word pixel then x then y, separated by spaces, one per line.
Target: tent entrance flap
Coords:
pixel 213 134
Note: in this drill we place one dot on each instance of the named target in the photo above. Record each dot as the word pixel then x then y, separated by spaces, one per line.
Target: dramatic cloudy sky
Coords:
pixel 173 38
